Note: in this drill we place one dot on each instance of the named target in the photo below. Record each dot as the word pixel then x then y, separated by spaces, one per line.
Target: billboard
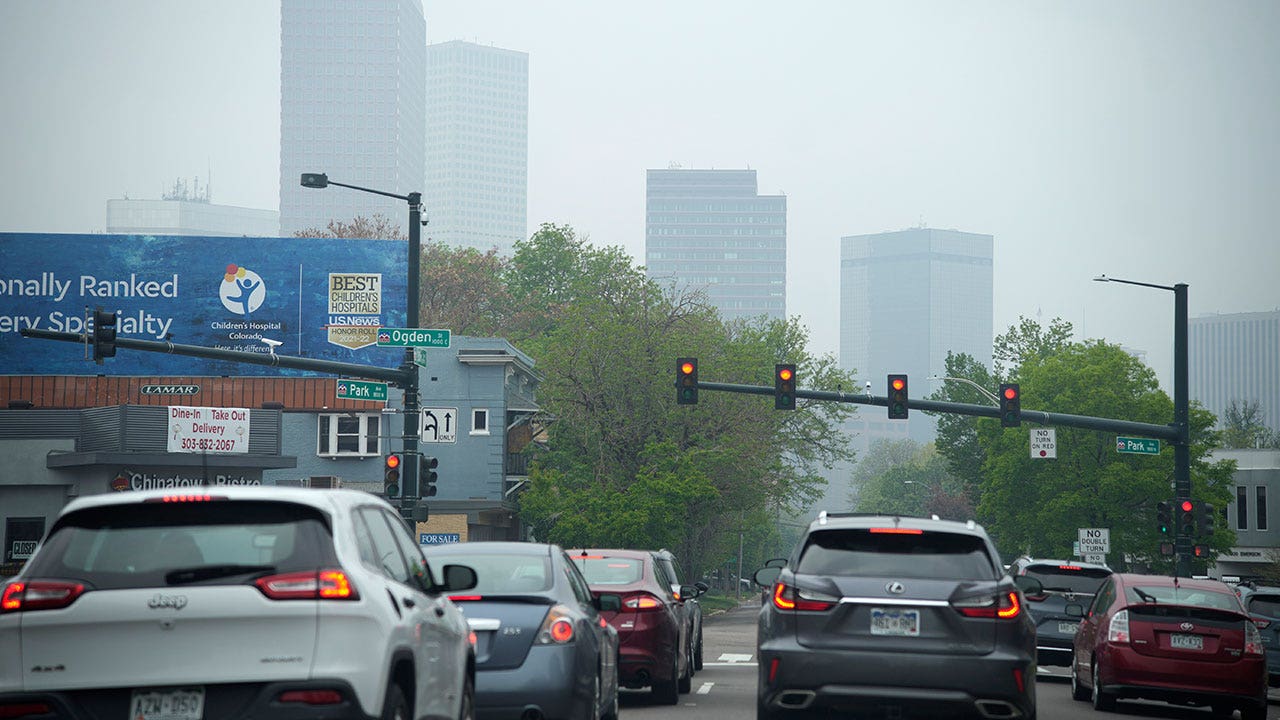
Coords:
pixel 318 298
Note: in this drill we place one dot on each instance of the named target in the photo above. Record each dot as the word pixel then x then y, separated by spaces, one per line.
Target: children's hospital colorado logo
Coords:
pixel 242 291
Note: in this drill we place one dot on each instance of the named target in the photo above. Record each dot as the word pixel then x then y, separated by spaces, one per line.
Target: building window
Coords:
pixel 1260 493
pixel 348 435
pixel 1242 507
pixel 479 422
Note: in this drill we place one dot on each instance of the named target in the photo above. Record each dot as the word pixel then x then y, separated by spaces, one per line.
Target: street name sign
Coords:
pixel 1140 446
pixel 413 337
pixel 362 390
pixel 1044 443
pixel 1095 540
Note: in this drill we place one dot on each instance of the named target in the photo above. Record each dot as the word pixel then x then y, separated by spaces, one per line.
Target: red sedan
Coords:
pixel 1178 640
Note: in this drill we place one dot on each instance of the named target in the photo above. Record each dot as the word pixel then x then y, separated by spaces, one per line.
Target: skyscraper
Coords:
pixel 476 191
pixel 711 230
pixel 1236 358
pixel 352 93
pixel 906 299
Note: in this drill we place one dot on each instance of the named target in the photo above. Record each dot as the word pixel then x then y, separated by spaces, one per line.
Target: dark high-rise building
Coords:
pixel 352 104
pixel 711 230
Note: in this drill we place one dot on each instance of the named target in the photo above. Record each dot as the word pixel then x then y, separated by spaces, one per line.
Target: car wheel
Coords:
pixel 612 712
pixel 467 711
pixel 1077 690
pixel 594 711
pixel 686 681
pixel 697 655
pixel 394 706
pixel 1102 701
pixel 1253 711
pixel 664 691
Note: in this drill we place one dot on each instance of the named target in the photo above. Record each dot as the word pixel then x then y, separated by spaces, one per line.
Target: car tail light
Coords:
pixel 328 584
pixel 1252 640
pixel 1261 622
pixel 24 709
pixel 310 697
pixel 557 628
pixel 644 602
pixel 895 531
pixel 185 498
pixel 1069 567
pixel 786 597
pixel 466 598
pixel 1118 629
pixel 30 595
pixel 1007 607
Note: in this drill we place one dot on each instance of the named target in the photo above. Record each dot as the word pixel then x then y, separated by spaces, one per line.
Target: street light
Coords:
pixel 1181 408
pixel 410 468
pixel 985 392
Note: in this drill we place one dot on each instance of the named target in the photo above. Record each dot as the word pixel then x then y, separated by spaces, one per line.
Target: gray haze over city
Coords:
pixel 1136 139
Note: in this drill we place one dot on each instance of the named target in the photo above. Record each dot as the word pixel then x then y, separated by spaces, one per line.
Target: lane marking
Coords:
pixel 706 687
pixel 734 657
pixel 730 664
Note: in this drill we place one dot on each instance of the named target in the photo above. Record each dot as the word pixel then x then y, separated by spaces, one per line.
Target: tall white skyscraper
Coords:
pixel 711 230
pixel 352 94
pixel 1236 358
pixel 906 299
pixel 477 140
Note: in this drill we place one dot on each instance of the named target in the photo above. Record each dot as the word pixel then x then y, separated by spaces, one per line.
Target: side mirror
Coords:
pixel 607 602
pixel 1028 585
pixel 776 562
pixel 458 577
pixel 1075 610
pixel 702 587
pixel 689 592
pixel 767 576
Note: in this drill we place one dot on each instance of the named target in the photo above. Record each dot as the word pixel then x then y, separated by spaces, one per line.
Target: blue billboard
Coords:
pixel 318 298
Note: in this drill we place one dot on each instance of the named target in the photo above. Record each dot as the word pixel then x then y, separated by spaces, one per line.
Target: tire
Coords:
pixel 593 712
pixel 394 706
pixel 467 710
pixel 686 680
pixel 697 654
pixel 1102 701
pixel 1078 691
pixel 665 691
pixel 611 713
pixel 1253 711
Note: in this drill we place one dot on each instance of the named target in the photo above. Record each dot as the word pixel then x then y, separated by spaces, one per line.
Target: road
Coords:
pixel 725 688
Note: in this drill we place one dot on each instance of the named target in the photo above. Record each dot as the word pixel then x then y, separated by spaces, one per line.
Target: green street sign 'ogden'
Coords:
pixel 413 337
pixel 1141 446
pixel 362 390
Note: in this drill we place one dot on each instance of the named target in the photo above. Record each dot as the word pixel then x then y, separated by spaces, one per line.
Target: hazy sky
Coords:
pixel 1136 139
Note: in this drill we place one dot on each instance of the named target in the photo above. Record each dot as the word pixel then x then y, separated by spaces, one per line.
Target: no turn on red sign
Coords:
pixel 1044 443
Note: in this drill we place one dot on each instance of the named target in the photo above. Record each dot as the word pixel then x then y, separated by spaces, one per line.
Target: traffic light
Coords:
pixel 1186 518
pixel 687 381
pixel 898 397
pixel 1010 405
pixel 784 387
pixel 104 335
pixel 1204 521
pixel 391 476
pixel 1201 551
pixel 427 475
pixel 1164 517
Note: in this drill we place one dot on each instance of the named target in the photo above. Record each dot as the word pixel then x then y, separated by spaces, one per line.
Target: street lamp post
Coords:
pixel 1181 411
pixel 409 472
pixel 985 392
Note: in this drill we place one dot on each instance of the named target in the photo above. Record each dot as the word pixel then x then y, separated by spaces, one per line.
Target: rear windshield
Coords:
pixel 1066 579
pixel 156 544
pixel 862 553
pixel 497 574
pixel 1195 597
pixel 599 570
pixel 1268 605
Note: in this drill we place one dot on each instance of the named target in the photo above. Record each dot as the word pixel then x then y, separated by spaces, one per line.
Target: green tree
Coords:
pixel 464 290
pixel 1025 342
pixel 1244 426
pixel 901 477
pixel 957 438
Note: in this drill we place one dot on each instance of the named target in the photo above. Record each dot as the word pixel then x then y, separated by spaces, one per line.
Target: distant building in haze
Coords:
pixel 352 90
pixel 477 144
pixel 711 230
pixel 907 298
pixel 1236 358
pixel 184 211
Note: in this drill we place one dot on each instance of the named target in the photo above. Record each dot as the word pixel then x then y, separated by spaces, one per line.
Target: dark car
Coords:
pixel 1062 582
pixel 543 648
pixel 1263 604
pixel 1179 640
pixel 693 609
pixel 894 617
pixel 652 634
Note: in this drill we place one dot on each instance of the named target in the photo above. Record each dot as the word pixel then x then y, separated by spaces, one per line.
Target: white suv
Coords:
pixel 233 602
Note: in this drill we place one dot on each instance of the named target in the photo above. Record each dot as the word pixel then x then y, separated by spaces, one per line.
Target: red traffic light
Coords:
pixel 686 368
pixel 784 373
pixel 1187 506
pixel 1010 393
pixel 393 462
pixel 898 383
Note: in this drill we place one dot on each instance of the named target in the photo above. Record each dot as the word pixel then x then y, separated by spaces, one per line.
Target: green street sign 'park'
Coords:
pixel 413 337
pixel 1141 446
pixel 362 390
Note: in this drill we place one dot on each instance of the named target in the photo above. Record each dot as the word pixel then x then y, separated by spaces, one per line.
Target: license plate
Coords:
pixel 1186 642
pixel 184 704
pixel 1068 628
pixel 895 621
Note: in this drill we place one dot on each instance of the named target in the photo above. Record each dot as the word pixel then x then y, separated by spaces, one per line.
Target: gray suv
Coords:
pixel 894 617
pixel 1062 582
